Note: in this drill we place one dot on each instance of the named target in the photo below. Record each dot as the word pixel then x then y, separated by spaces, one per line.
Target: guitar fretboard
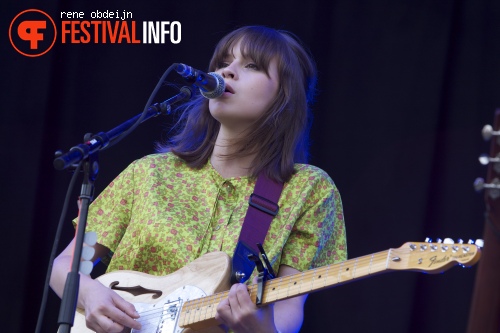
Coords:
pixel 200 312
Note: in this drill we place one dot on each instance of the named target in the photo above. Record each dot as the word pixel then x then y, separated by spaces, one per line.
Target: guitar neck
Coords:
pixel 200 313
pixel 412 256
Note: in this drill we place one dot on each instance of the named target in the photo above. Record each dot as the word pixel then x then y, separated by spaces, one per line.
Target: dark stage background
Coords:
pixel 404 90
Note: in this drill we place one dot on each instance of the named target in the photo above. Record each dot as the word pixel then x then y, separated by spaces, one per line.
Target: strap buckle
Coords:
pixel 263 204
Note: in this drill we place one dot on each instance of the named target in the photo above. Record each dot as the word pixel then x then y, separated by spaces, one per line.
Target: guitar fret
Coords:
pixel 212 302
pixel 370 266
pixel 271 291
pixel 200 308
pixel 353 274
pixel 294 287
pixel 301 283
pixel 210 310
pixel 313 279
pixel 191 313
pixel 326 275
pixel 340 272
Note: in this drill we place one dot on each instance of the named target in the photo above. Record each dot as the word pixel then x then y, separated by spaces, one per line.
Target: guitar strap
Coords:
pixel 262 208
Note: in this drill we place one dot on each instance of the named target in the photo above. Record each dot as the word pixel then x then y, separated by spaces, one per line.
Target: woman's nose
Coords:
pixel 229 72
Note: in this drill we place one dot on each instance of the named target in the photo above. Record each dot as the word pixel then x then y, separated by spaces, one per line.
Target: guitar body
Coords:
pixel 206 275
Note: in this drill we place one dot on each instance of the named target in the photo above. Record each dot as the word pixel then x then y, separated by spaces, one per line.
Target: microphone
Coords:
pixel 211 85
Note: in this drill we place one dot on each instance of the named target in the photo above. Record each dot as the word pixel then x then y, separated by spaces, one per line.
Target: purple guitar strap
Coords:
pixel 262 208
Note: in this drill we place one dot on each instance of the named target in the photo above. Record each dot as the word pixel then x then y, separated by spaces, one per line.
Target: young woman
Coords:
pixel 167 209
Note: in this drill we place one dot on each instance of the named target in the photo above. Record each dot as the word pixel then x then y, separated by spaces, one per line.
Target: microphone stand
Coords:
pixel 87 153
pixel 70 293
pixel 101 140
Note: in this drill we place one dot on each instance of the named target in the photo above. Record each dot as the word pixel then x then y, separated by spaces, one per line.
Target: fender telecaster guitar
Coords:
pixel 187 299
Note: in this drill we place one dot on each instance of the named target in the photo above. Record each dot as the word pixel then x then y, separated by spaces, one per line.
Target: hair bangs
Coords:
pixel 258 44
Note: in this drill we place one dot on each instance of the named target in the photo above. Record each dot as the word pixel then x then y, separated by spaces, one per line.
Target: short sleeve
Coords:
pixel 110 213
pixel 318 236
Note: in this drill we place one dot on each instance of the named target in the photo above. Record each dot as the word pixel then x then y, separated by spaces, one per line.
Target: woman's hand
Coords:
pixel 240 314
pixel 105 310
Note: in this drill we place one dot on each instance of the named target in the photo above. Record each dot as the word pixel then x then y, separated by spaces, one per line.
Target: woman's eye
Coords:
pixel 222 65
pixel 253 66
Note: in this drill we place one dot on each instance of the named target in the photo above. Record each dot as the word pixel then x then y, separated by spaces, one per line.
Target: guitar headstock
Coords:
pixel 434 257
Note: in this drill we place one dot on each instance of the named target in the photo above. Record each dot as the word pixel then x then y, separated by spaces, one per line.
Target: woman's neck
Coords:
pixel 229 167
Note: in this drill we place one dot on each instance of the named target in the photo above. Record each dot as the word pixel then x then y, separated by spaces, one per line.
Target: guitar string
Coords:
pixel 308 274
pixel 376 261
pixel 193 307
pixel 362 260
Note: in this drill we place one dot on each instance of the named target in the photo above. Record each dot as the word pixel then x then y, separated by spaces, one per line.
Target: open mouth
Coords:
pixel 229 89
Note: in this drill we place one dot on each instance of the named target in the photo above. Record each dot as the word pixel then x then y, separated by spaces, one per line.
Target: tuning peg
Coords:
pixel 439 240
pixel 428 240
pixel 448 241
pixel 480 243
pixel 488 132
pixel 493 187
pixel 484 159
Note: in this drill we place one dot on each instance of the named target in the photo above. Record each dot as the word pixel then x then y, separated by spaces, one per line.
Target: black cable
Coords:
pixel 144 112
pixel 54 248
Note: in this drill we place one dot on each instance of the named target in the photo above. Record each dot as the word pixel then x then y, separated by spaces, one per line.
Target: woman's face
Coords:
pixel 249 91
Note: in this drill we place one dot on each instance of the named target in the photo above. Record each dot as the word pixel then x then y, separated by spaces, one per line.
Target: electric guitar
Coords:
pixel 186 300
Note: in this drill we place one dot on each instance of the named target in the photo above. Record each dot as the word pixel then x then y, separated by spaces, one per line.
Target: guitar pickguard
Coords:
pixel 163 316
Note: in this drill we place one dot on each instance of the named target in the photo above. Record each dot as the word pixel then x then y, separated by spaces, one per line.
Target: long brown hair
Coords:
pixel 281 136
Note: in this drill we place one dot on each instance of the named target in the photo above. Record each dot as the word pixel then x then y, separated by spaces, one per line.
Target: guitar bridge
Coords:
pixel 163 320
pixel 164 316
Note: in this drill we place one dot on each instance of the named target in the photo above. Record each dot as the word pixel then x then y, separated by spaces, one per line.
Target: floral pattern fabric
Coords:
pixel 159 214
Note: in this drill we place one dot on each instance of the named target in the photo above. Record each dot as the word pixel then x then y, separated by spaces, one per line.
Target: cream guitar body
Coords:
pixel 159 299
